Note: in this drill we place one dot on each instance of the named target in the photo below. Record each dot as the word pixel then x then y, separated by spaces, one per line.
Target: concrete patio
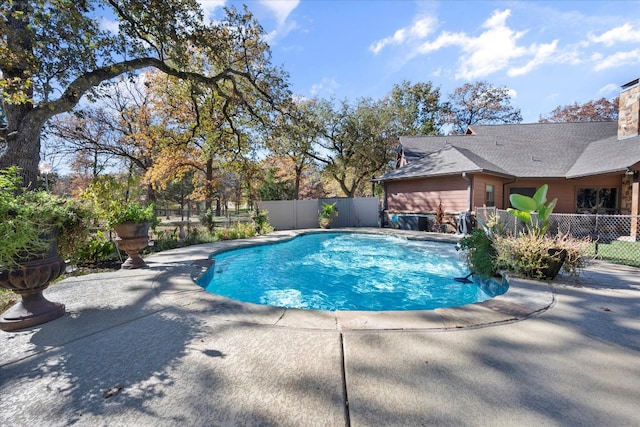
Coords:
pixel 148 347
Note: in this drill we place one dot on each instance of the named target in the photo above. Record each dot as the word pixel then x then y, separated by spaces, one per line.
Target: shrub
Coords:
pixel 95 249
pixel 262 222
pixel 30 219
pixel 131 212
pixel 237 231
pixel 166 239
pixel 479 253
pixel 479 249
pixel 530 254
pixel 207 219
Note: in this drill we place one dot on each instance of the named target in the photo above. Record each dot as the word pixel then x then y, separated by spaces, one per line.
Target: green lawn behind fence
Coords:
pixel 619 252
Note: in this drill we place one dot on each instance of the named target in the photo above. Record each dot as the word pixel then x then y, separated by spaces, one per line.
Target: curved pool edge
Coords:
pixel 524 299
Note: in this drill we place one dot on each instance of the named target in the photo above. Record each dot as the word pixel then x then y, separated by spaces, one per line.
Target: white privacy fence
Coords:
pixel 299 214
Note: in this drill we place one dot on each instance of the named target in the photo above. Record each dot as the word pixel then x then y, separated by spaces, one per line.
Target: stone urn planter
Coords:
pixel 326 214
pixel 132 238
pixel 324 222
pixel 29 281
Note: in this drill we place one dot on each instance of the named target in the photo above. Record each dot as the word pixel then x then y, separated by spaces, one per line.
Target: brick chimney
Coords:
pixel 629 110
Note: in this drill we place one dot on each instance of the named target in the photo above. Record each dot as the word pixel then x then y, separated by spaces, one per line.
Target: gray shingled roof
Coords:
pixel 535 150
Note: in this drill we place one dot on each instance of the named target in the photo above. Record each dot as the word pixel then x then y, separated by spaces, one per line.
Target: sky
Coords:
pixel 547 53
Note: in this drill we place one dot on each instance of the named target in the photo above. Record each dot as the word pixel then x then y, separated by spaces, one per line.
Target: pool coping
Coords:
pixel 524 299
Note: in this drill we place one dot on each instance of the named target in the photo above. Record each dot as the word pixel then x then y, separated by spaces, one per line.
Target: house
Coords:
pixel 589 166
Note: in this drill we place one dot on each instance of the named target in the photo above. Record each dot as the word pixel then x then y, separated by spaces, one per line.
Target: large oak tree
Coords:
pixel 54 52
pixel 481 103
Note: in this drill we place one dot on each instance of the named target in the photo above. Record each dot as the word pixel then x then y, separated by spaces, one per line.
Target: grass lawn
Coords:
pixel 627 253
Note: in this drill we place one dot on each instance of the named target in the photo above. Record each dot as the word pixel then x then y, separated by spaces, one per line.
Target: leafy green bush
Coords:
pixel 479 252
pixel 95 249
pixel 166 239
pixel 29 219
pixel 131 212
pixel 478 246
pixel 533 211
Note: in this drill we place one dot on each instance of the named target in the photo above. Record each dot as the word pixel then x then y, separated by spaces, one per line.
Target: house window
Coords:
pixel 597 200
pixel 490 195
pixel 525 191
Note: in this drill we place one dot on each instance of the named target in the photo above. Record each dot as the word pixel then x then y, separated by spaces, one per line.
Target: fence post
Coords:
pixel 596 233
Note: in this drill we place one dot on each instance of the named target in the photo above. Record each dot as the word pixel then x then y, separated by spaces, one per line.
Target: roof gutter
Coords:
pixel 469 194
pixel 505 205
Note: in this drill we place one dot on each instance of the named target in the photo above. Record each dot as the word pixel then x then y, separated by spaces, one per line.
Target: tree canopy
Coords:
pixel 600 110
pixel 54 52
pixel 481 103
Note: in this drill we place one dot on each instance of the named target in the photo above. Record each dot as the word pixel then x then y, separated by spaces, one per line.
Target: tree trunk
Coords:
pixel 23 142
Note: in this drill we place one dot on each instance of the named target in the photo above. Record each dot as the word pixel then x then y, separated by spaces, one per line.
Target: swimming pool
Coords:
pixel 346 271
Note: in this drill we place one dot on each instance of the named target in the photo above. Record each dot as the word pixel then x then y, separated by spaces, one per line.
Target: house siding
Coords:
pixel 565 190
pixel 424 195
pixel 480 181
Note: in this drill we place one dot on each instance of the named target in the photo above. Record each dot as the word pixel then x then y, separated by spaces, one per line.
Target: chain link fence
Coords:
pixel 615 237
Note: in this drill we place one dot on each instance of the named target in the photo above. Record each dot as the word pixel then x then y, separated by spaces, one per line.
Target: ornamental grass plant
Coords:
pixel 531 255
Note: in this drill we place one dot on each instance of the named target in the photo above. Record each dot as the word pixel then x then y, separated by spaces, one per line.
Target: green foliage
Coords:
pixel 533 211
pixel 261 220
pixel 274 188
pixel 95 249
pixel 478 247
pixel 29 219
pixel 166 239
pixel 479 252
pixel 208 219
pixel 491 249
pixel 131 212
pixel 326 214
pixel 417 108
pixel 328 210
pixel 117 210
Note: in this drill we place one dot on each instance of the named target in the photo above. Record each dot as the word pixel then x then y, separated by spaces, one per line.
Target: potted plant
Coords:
pixel 326 215
pixel 131 222
pixel 36 228
pixel 534 253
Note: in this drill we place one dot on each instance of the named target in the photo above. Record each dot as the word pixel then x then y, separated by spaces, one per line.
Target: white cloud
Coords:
pixel 624 33
pixel 109 25
pixel 611 88
pixel 495 48
pixel 281 8
pixel 444 40
pixel 492 50
pixel 542 53
pixel 209 7
pixel 326 86
pixel 618 59
pixel 420 29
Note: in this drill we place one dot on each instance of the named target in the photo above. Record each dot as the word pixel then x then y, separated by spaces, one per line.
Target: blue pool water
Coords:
pixel 345 271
